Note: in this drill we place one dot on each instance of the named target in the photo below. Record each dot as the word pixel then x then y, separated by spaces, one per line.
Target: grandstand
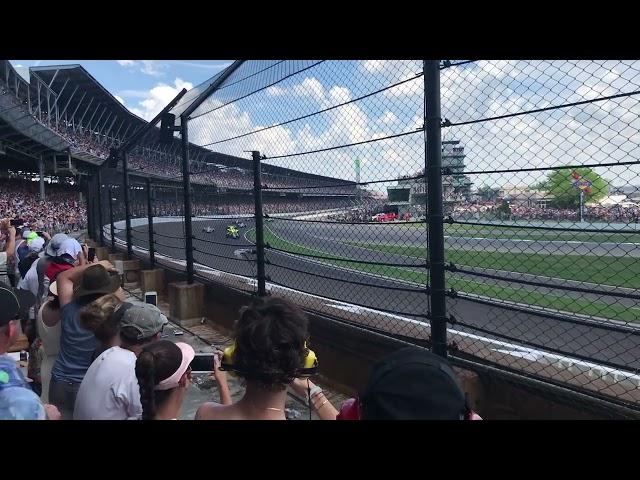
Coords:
pixel 65 122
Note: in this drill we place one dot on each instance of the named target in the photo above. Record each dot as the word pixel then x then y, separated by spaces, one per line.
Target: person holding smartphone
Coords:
pixel 270 348
pixel 7 258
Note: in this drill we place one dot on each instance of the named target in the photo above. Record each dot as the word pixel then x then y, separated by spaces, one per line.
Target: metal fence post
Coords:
pixel 152 256
pixel 186 186
pixel 127 207
pixel 99 204
pixel 433 171
pixel 113 233
pixel 90 212
pixel 257 195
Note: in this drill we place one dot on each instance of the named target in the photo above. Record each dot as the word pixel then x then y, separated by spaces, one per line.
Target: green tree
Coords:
pixel 488 193
pixel 504 210
pixel 559 184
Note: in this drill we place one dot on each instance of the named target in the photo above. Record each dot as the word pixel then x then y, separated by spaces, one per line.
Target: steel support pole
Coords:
pixel 433 170
pixel 259 218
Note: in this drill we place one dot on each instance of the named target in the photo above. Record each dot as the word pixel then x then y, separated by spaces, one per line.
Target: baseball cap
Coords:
pixel 174 380
pixel 147 319
pixel 413 384
pixel 14 303
pixel 31 236
pixel 55 243
pixel 36 244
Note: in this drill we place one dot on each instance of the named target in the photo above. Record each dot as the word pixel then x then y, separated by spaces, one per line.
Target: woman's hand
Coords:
pixel 300 386
pixel 219 375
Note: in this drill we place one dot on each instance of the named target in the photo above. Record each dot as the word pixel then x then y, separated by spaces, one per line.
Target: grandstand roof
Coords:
pixel 72 82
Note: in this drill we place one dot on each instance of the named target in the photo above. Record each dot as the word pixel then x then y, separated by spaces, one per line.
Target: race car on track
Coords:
pixel 232 232
pixel 208 229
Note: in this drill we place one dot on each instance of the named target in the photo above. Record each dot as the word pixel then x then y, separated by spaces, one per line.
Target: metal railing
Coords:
pixel 485 208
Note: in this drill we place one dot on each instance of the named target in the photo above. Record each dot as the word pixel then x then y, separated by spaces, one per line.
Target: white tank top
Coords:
pixel 50 336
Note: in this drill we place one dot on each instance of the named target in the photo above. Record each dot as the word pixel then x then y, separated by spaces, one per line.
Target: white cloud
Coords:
pixel 208 66
pixel 274 91
pixel 158 97
pixel 388 117
pixel 373 66
pixel 133 93
pixel 152 67
pixel 119 98
pixel 604 131
pixel 148 67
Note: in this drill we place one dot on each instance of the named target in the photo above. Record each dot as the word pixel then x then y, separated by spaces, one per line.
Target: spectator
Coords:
pixel 36 282
pixel 270 348
pixel 109 390
pixel 163 373
pixel 48 328
pixel 17 400
pixel 7 257
pixel 410 384
pixel 33 251
pixel 98 317
pixel 77 344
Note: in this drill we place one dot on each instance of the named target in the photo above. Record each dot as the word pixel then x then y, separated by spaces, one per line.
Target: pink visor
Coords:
pixel 174 380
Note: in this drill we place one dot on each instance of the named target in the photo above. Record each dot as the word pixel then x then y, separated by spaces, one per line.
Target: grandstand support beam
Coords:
pixel 66 105
pixel 60 93
pixel 127 206
pixel 104 124
pixel 433 169
pixel 41 171
pixel 152 253
pixel 259 216
pixel 186 185
pixel 113 233
pixel 91 118
pixel 79 125
pixel 39 103
pixel 73 115
pixel 98 195
pixel 109 129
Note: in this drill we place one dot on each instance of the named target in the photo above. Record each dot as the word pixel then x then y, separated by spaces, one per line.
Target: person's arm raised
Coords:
pixel 11 242
pixel 221 379
pixel 67 279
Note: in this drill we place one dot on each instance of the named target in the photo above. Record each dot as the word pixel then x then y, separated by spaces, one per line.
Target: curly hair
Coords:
pixel 97 317
pixel 270 338
pixel 157 361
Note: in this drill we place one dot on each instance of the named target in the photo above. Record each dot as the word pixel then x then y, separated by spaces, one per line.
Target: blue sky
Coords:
pixel 607 131
pixel 134 81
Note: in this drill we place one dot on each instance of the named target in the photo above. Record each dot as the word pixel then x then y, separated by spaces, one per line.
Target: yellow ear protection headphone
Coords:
pixel 309 368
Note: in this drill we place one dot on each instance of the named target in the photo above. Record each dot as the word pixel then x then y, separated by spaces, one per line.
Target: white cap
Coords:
pixel 36 245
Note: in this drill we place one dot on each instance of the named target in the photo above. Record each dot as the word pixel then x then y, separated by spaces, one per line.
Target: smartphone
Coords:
pixel 40 234
pixel 92 254
pixel 202 362
pixel 151 297
pixel 16 222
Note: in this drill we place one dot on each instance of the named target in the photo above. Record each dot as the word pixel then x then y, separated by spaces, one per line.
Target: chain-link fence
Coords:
pixel 320 181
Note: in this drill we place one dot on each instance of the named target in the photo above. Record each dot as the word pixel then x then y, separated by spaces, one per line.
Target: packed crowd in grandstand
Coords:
pixel 62 209
pixel 490 210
